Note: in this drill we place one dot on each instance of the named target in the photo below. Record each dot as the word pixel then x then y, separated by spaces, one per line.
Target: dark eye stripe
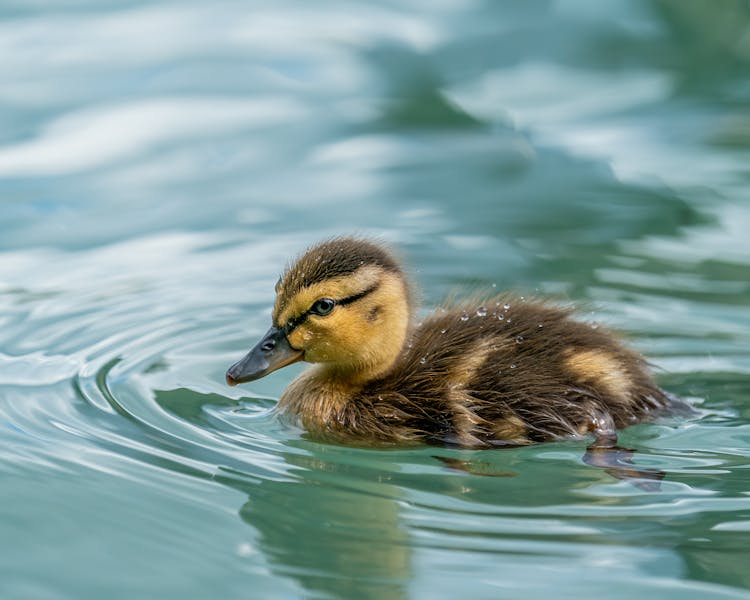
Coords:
pixel 355 297
pixel 292 324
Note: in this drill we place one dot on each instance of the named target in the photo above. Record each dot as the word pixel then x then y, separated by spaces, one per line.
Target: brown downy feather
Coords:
pixel 480 374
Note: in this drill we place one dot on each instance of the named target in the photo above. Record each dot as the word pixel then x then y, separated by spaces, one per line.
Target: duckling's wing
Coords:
pixel 521 372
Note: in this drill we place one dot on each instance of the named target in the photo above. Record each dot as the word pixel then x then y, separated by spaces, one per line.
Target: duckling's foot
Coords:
pixel 617 461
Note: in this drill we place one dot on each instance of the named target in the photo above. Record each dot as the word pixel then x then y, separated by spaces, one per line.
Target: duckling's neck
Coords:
pixel 320 395
pixel 318 398
pixel 353 378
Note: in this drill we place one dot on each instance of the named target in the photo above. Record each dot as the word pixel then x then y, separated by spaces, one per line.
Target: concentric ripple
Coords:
pixel 130 384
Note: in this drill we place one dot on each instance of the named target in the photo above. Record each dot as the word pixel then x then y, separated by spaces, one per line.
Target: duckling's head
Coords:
pixel 344 303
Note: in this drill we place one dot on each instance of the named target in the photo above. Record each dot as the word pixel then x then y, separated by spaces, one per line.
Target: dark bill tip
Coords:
pixel 272 352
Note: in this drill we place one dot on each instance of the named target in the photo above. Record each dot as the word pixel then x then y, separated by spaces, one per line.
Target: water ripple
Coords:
pixel 159 164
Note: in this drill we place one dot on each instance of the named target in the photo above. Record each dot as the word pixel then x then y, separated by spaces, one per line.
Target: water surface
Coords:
pixel 161 161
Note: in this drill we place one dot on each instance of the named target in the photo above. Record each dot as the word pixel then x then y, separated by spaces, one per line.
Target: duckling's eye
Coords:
pixel 322 307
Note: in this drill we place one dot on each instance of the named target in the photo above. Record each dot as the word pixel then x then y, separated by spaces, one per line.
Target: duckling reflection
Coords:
pixel 335 540
pixel 334 528
pixel 499 372
pixel 332 519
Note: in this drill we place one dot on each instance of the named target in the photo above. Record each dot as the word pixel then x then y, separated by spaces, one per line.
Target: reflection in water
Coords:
pixel 618 462
pixel 336 540
pixel 332 527
pixel 344 523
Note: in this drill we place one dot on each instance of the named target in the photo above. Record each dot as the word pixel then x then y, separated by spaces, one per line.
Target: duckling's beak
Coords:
pixel 270 353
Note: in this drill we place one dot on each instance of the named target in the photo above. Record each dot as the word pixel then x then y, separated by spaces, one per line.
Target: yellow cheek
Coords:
pixel 299 338
pixel 329 339
pixel 317 341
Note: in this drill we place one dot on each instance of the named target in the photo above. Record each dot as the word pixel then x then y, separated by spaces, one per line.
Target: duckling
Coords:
pixel 481 373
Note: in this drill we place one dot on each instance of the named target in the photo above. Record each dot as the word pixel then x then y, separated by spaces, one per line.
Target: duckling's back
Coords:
pixel 506 371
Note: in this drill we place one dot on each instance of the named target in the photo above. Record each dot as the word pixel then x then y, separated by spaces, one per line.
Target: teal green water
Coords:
pixel 160 162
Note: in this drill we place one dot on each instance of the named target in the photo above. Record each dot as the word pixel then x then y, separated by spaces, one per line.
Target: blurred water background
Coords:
pixel 161 161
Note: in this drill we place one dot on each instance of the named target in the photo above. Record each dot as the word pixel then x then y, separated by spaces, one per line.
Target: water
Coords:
pixel 160 162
